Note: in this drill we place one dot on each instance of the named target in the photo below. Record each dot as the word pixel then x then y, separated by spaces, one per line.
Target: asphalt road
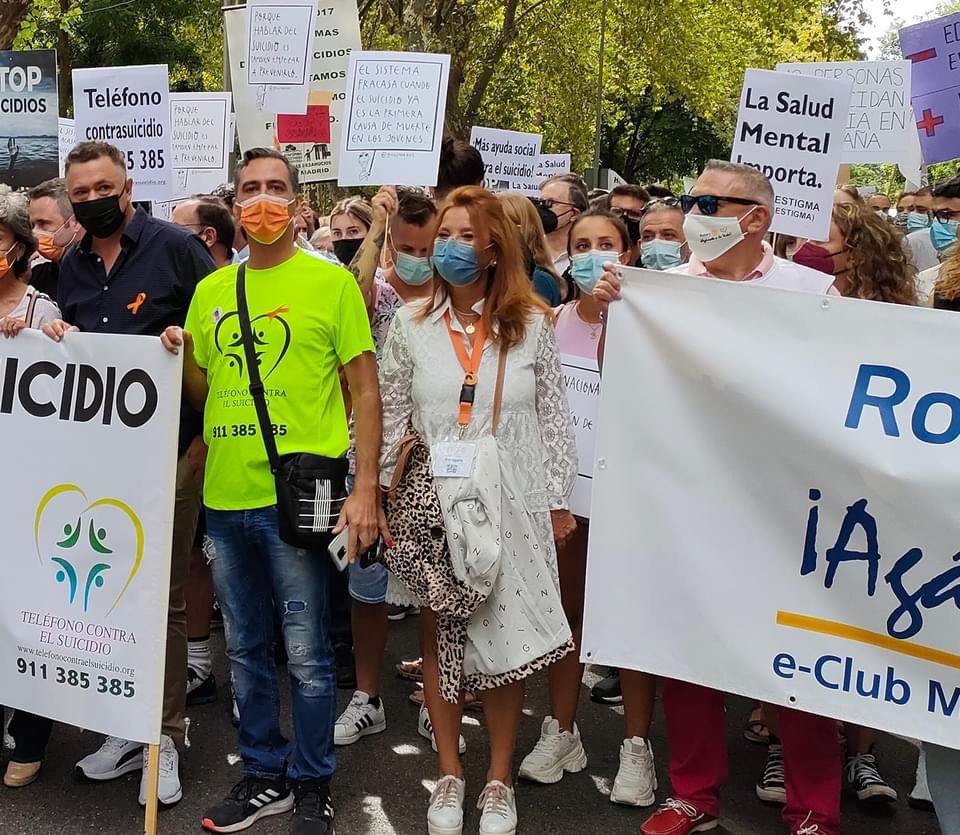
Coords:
pixel 382 783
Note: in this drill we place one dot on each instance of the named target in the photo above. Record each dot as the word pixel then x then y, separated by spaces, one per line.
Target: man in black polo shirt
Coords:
pixel 134 274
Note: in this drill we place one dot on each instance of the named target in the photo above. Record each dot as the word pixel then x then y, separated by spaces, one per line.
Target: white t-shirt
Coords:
pixel 925 283
pixel 922 251
pixel 44 310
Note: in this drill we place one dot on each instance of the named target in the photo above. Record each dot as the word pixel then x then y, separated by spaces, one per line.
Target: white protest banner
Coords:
pixel 551 165
pixel 336 36
pixel 129 107
pixel 791 128
pixel 775 507
pixel 582 379
pixel 29 103
pixel 880 119
pixel 279 40
pixel 200 125
pixel 393 120
pixel 83 606
pixel 66 139
pixel 509 157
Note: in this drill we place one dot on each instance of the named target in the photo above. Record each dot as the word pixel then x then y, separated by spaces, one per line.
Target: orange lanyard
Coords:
pixel 470 363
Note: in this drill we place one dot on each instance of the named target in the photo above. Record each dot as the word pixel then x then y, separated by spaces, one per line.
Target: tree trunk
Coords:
pixel 64 64
pixel 12 12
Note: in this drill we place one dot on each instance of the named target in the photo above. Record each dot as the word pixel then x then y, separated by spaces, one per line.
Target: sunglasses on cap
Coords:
pixel 708 204
pixel 662 203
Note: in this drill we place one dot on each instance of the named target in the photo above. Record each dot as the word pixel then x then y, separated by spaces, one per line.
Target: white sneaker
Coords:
pixel 425 729
pixel 498 809
pixel 445 814
pixel 170 791
pixel 358 720
pixel 113 759
pixel 555 753
pixel 636 782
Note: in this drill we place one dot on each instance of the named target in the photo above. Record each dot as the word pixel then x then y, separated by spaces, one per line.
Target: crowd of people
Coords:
pixel 403 354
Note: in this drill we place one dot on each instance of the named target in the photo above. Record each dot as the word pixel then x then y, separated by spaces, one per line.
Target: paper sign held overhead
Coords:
pixel 66 139
pixel 279 37
pixel 313 127
pixel 394 114
pixel 932 49
pixel 880 120
pixel 791 128
pixel 130 108
pixel 29 147
pixel 200 124
pixel 510 158
pixel 551 165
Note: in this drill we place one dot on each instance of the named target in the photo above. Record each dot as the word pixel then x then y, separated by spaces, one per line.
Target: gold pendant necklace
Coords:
pixel 470 329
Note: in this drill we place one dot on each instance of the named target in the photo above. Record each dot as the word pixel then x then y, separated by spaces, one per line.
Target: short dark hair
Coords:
pixel 631 190
pixel 579 198
pixel 225 192
pixel 415 208
pixel 55 189
pixel 925 191
pixel 89 151
pixel 460 165
pixel 266 153
pixel 213 212
pixel 656 191
pixel 948 189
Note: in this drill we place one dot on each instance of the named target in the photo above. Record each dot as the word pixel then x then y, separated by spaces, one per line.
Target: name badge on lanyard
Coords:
pixel 453 459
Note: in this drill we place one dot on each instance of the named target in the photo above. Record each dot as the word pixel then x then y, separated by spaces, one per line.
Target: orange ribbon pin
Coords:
pixel 134 306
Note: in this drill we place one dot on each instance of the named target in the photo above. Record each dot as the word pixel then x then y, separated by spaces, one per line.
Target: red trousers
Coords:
pixel 696 730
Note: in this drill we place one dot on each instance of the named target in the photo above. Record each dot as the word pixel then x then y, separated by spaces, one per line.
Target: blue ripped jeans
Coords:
pixel 252 568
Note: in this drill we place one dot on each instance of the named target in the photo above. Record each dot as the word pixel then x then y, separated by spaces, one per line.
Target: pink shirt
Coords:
pixel 575 337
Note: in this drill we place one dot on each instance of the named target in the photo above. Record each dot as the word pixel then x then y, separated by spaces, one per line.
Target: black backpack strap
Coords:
pixel 31 307
pixel 253 372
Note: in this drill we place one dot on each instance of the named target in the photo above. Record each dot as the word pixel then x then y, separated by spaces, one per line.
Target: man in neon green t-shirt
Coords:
pixel 308 319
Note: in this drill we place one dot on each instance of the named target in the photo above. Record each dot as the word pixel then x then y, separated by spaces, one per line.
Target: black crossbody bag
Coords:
pixel 311 489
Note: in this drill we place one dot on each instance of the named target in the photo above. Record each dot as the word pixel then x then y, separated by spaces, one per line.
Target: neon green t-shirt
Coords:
pixel 308 319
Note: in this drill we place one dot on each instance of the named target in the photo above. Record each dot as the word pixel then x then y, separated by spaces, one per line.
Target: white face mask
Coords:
pixel 709 236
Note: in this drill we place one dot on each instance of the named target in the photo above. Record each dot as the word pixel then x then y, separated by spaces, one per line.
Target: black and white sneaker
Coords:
pixel 864 777
pixel 249 800
pixel 200 691
pixel 361 718
pixel 771 787
pixel 607 690
pixel 313 809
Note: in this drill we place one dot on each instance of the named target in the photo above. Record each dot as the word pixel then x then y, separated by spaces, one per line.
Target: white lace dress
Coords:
pixel 420 379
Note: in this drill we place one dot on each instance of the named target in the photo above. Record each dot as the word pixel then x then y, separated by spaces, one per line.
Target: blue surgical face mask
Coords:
pixel 659 254
pixel 917 220
pixel 413 271
pixel 455 261
pixel 586 268
pixel 943 233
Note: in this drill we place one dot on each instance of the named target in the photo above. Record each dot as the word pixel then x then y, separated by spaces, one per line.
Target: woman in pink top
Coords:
pixel 596 238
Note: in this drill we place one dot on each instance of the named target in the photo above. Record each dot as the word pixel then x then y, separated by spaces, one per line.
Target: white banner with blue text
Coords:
pixel 775 500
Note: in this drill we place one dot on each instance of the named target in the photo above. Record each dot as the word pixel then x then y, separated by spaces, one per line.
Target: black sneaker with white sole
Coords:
pixel 249 800
pixel 772 788
pixel 865 779
pixel 607 690
pixel 312 808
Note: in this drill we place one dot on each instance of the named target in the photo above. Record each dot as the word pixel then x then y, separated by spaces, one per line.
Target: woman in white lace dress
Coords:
pixel 484 304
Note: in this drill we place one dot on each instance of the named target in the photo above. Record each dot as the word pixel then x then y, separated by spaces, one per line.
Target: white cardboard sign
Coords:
pixel 393 123
pixel 129 107
pixel 200 140
pixel 582 379
pixel 511 158
pixel 67 138
pixel 279 38
pixel 791 128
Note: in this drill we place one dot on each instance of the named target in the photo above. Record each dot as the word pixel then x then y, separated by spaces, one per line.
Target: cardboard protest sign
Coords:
pixel 581 378
pixel 336 36
pixel 313 127
pixel 200 124
pixel 394 113
pixel 28 105
pixel 550 165
pixel 280 34
pixel 66 139
pixel 791 128
pixel 933 48
pixel 130 108
pixel 510 158
pixel 880 120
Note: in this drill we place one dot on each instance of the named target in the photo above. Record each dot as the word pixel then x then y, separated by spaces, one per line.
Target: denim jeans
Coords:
pixel 253 570
pixel 943 778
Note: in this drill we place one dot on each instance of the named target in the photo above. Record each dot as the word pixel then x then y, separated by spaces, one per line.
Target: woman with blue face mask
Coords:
pixel 474 374
pixel 597 237
pixel 662 242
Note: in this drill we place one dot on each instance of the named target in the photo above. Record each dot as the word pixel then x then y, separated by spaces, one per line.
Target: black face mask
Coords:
pixel 101 217
pixel 548 219
pixel 633 230
pixel 346 250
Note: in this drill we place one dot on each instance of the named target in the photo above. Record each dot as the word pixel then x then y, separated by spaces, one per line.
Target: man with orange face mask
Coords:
pixel 307 318
pixel 56 230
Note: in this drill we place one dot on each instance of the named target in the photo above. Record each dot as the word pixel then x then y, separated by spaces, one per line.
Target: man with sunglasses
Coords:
pixel 627 202
pixel 727 215
pixel 562 198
